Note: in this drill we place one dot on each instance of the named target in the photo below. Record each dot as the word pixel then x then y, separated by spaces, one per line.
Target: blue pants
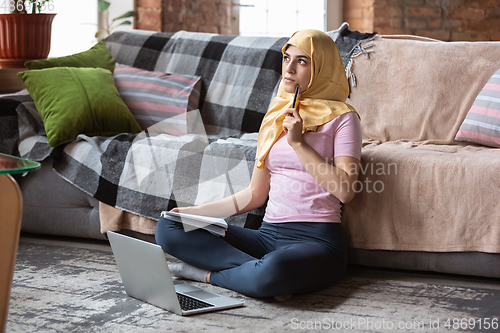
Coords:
pixel 276 259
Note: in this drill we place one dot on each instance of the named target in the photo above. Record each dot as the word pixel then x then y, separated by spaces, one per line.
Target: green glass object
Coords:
pixel 14 165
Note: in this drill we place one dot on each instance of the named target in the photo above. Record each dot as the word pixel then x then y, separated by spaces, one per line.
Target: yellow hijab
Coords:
pixel 322 101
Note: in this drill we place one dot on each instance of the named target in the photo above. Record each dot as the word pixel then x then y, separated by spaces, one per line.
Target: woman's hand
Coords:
pixel 185 210
pixel 252 197
pixel 292 126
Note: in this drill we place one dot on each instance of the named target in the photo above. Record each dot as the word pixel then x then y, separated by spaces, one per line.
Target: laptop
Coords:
pixel 145 276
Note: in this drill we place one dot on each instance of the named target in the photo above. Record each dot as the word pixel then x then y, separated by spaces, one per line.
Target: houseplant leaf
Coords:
pixel 102 5
pixel 127 14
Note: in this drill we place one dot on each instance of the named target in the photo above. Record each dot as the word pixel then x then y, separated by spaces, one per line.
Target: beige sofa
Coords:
pixel 429 202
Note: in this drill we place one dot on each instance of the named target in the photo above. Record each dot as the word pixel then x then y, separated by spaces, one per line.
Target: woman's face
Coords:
pixel 296 69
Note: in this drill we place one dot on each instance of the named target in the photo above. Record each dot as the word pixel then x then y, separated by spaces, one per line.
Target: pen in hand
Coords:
pixel 295 98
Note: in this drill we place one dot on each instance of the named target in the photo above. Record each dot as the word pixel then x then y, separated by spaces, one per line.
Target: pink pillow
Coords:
pixel 482 123
pixel 153 96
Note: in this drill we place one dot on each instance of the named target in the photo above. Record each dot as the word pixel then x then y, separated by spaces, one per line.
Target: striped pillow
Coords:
pixel 153 96
pixel 482 124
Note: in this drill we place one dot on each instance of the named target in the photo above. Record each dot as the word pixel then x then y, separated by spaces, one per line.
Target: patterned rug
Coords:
pixel 69 289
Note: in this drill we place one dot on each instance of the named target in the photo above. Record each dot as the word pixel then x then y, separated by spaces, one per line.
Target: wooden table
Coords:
pixel 9 81
pixel 11 210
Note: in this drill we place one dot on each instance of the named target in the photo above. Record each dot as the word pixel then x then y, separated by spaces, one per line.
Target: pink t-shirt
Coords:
pixel 295 196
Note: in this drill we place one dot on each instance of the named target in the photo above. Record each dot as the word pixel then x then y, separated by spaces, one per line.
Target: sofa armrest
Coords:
pixel 9 131
pixel 56 207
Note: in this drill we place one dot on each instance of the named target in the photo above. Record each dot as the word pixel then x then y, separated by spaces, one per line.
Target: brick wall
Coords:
pixel 359 14
pixel 149 14
pixel 213 16
pixel 448 20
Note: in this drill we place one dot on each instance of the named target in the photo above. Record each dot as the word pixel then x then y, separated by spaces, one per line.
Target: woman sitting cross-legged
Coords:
pixel 307 165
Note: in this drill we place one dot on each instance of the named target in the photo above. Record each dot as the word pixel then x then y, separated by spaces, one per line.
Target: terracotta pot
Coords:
pixel 24 37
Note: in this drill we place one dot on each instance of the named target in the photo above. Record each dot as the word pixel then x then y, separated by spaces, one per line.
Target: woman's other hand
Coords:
pixel 185 210
pixel 292 126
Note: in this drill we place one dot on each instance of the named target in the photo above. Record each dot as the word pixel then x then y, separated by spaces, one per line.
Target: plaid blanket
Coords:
pixel 239 74
pixel 156 170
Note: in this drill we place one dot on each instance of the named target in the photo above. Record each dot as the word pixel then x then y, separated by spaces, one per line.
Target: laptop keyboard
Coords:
pixel 188 303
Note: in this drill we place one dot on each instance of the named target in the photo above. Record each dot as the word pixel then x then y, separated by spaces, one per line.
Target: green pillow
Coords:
pixel 74 101
pixel 98 57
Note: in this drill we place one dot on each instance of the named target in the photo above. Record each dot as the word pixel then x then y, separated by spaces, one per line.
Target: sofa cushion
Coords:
pixel 425 197
pixel 420 90
pixel 155 96
pixel 482 124
pixel 71 102
pixel 97 57
pixel 464 263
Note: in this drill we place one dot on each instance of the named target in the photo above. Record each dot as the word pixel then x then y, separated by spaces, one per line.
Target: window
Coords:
pixel 74 27
pixel 75 24
pixel 280 17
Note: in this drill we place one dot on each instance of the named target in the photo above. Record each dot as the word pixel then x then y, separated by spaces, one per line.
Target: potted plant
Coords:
pixel 25 32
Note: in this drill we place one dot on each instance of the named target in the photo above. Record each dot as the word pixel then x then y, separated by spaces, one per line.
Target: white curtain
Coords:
pixel 280 17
